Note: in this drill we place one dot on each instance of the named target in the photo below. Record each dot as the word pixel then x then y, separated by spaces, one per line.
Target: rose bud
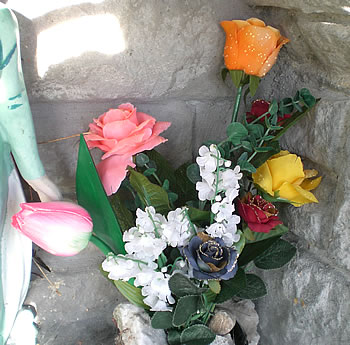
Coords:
pixel 260 107
pixel 259 214
pixel 210 258
pixel 60 228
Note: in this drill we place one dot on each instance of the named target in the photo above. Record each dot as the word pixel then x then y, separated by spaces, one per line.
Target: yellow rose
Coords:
pixel 284 172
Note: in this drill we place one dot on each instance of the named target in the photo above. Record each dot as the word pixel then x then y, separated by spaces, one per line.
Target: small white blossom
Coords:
pixel 223 210
pixel 205 191
pixel 208 158
pixel 144 245
pixel 228 182
pixel 177 230
pixel 126 266
pixel 228 164
pixel 148 219
pixel 157 293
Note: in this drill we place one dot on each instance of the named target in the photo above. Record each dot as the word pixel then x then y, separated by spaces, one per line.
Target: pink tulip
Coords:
pixel 60 228
pixel 122 133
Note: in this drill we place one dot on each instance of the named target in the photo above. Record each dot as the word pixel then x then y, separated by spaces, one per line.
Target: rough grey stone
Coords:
pixel 78 308
pixel 310 6
pixel 135 328
pixel 171 48
pixel 220 340
pixel 323 137
pixel 307 304
pixel 221 322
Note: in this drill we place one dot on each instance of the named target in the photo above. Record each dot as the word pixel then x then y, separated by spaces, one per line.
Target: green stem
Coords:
pixel 155 176
pixel 100 245
pixel 216 184
pixel 208 313
pixel 130 259
pixel 154 224
pixel 237 103
pixel 259 118
pixel 191 224
pixel 260 144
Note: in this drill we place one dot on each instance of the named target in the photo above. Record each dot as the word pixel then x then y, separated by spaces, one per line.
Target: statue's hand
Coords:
pixel 46 189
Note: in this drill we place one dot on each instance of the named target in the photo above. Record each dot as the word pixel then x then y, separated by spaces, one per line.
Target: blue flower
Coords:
pixel 210 258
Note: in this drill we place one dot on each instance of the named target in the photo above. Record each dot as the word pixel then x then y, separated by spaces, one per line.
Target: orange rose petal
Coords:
pixel 311 184
pixel 286 168
pixel 231 44
pixel 296 195
pixel 256 22
pixel 255 45
pixel 240 23
pixel 271 60
pixel 262 177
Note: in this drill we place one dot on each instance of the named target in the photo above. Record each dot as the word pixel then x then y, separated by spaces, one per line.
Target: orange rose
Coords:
pixel 251 46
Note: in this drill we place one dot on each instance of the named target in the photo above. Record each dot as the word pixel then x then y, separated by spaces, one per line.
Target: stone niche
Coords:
pixel 165 57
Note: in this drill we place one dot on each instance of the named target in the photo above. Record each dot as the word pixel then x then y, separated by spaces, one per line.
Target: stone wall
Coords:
pixel 308 301
pixel 165 57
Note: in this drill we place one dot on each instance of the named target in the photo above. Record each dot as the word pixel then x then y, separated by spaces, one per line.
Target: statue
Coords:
pixel 17 137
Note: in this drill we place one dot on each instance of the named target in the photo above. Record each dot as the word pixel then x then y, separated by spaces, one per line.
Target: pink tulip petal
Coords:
pixel 118 129
pixel 112 172
pixel 60 228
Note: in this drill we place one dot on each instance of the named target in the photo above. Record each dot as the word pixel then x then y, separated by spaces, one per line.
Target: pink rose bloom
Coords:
pixel 122 133
pixel 60 228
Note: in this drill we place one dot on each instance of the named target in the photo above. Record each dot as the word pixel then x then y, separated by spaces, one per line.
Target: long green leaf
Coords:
pixel 231 287
pixel 150 194
pixel 91 195
pixel 131 293
pixel 293 120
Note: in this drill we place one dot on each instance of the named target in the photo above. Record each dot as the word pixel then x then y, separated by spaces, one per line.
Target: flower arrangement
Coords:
pixel 180 241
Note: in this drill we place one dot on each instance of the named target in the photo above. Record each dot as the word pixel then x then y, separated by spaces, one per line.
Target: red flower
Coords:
pixel 260 215
pixel 260 107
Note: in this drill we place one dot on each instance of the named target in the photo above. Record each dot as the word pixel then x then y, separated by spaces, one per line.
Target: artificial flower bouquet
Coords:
pixel 180 241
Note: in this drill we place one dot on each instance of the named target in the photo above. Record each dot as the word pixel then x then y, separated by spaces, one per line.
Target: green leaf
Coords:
pixel 293 120
pixel 172 197
pixel 247 145
pixel 256 130
pixel 174 337
pixel 183 286
pixel 91 196
pixel 307 97
pixel 262 157
pixel 286 106
pixel 278 230
pixel 239 246
pixel 280 253
pixel 141 160
pixel 124 216
pixel 193 173
pixel 162 320
pixel 264 149
pixel 255 288
pixel 231 287
pixel 210 296
pixel 131 293
pixel 197 335
pixel 273 108
pixel 197 215
pixel 186 306
pixel 235 132
pixel 149 193
pixel 214 285
pixel 253 250
pixel 184 187
pixel 166 185
pixel 224 73
pixel 248 234
pixel 164 169
pixel 253 84
pixel 149 172
pixel 236 76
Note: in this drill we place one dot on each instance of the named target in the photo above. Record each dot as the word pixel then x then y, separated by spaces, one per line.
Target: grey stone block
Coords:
pixel 307 304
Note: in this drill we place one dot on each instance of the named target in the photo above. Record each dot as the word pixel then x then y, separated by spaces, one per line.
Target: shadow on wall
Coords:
pixel 57 32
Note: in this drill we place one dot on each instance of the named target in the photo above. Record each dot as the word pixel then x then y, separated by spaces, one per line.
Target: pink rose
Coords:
pixel 122 133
